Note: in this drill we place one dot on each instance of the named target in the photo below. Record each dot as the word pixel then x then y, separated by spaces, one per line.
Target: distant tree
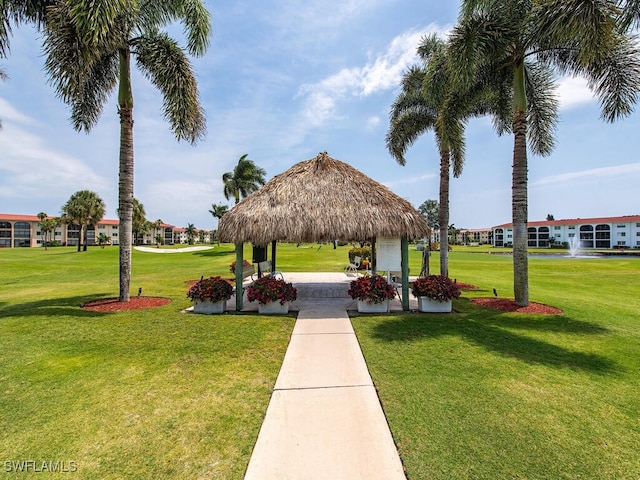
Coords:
pixel 84 208
pixel 550 217
pixel 201 236
pixel 103 240
pixel 158 239
pixel 245 179
pixel 48 225
pixel 218 210
pixel 191 233
pixel 158 236
pixel 430 209
pixel 139 223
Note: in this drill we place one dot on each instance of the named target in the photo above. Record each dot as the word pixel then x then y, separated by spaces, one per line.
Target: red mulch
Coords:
pixel 134 303
pixel 466 286
pixel 507 305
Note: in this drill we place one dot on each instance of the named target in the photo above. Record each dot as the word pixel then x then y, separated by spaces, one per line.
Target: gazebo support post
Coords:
pixel 239 261
pixel 273 255
pixel 404 249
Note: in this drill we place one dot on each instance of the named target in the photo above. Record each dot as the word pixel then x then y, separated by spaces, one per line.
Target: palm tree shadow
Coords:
pixel 53 307
pixel 492 332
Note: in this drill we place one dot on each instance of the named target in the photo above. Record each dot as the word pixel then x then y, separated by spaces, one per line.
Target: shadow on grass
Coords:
pixel 215 252
pixel 53 307
pixel 490 330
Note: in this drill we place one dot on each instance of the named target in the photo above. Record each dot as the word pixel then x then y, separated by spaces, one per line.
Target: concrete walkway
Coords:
pixel 324 420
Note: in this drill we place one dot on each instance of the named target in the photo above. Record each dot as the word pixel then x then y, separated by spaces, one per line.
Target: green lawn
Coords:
pixel 138 394
pixel 161 394
pixel 483 394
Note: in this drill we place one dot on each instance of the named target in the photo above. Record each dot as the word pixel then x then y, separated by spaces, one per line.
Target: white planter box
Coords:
pixel 207 306
pixel 427 304
pixel 382 307
pixel 273 307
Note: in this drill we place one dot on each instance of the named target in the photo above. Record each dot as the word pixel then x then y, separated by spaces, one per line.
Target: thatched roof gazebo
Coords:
pixel 321 199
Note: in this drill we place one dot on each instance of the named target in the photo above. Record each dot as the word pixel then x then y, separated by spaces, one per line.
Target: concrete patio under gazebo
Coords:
pixel 322 200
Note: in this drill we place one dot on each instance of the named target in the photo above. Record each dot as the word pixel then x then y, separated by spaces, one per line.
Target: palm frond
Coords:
pixel 542 108
pixel 168 68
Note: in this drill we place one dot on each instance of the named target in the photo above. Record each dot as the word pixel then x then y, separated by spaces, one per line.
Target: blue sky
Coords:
pixel 282 81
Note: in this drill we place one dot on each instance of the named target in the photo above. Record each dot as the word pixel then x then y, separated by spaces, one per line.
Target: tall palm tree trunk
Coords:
pixel 519 212
pixel 125 184
pixel 519 200
pixel 443 212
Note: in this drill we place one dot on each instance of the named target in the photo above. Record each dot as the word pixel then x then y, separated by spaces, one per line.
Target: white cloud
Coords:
pixel 32 169
pixel 8 112
pixel 381 73
pixel 615 171
pixel 409 181
pixel 573 92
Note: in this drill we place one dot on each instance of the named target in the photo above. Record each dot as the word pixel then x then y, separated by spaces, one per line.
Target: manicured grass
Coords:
pixel 484 394
pixel 138 394
pixel 474 394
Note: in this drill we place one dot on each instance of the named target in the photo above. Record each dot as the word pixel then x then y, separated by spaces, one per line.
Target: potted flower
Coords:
pixel 210 295
pixel 272 294
pixel 435 293
pixel 373 293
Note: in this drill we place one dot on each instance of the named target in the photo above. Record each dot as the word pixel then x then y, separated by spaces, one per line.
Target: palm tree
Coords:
pixel 85 69
pixel 245 179
pixel 218 210
pixel 84 208
pixel 528 43
pixel 427 102
pixel 191 233
pixel 139 223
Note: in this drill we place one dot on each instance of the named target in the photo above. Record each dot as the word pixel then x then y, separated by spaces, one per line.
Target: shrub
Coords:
pixel 362 252
pixel 436 287
pixel 212 288
pixel 232 267
pixel 271 289
pixel 371 289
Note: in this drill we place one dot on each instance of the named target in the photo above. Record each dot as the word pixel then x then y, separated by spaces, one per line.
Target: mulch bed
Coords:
pixel 507 305
pixel 466 286
pixel 134 303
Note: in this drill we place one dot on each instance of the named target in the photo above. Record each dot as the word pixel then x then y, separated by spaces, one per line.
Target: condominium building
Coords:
pixel 591 233
pixel 24 231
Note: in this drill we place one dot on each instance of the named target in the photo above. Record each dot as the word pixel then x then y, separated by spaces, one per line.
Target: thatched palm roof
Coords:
pixel 321 199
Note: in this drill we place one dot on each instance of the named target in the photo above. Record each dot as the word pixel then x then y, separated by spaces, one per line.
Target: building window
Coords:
pixel 603 236
pixel 586 236
pixel 21 234
pixel 621 243
pixel 622 226
pixel 622 234
pixel 557 228
pixel 572 227
pixel 102 227
pixel 114 234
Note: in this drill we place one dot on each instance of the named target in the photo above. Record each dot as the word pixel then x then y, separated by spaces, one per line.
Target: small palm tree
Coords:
pixel 245 179
pixel 191 233
pixel 84 208
pixel 527 44
pixel 85 65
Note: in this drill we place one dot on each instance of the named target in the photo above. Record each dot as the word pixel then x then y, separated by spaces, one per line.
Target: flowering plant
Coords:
pixel 436 287
pixel 232 267
pixel 271 289
pixel 212 288
pixel 371 289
